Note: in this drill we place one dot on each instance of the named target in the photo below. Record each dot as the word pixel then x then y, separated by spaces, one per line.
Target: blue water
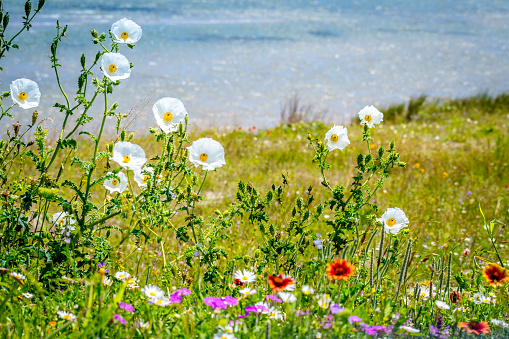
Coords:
pixel 233 63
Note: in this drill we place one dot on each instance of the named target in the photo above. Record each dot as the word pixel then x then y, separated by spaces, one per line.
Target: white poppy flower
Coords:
pixel 115 66
pixel 129 156
pixel 478 298
pixel 116 184
pixel 275 314
pixel 126 31
pixel 442 305
pixel 337 138
pixel 25 93
pixel 142 178
pixel 66 315
pixel 394 219
pixel 370 116
pixel 152 291
pixel 206 152
pixel 323 300
pixel 62 219
pixel 245 276
pixel 168 113
pixel 247 291
pixel 287 297
pixel 307 290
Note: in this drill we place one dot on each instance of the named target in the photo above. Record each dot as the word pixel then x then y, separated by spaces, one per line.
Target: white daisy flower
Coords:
pixel 128 155
pixel 169 112
pixel 142 178
pixel 115 66
pixel 18 276
pixel 337 138
pixel 132 283
pixel 370 116
pixel 275 314
pixel 63 219
pixel 394 219
pixel 245 276
pixel 27 295
pixel 161 301
pixel 266 306
pixel 287 297
pixel 410 329
pixel 224 335
pixel 122 275
pixel 206 152
pixel 478 298
pixel 25 93
pixel 247 291
pixel 106 281
pixel 307 290
pixel 152 291
pixel 499 323
pixel 126 31
pixel 227 328
pixel 118 184
pixel 323 300
pixel 66 315
pixel 442 305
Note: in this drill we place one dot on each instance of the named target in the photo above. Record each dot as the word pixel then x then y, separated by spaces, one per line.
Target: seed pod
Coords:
pixel 28 8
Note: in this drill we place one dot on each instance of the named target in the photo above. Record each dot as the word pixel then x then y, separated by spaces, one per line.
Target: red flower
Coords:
pixel 495 274
pixel 476 327
pixel 340 270
pixel 279 283
pixel 238 282
pixel 455 297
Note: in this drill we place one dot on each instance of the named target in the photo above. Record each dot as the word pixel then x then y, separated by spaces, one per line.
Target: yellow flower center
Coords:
pixel 159 302
pixel 247 292
pixel 152 294
pixel 145 178
pixel 334 138
pixel 324 305
pixel 243 278
pixel 203 158
pixel 306 292
pixel 66 316
pixel 22 96
pixel 62 221
pixel 391 222
pixel 368 118
pixel 223 337
pixel 112 68
pixel 114 182
pixel 168 117
pixel 124 35
pixel 272 314
pixel 126 159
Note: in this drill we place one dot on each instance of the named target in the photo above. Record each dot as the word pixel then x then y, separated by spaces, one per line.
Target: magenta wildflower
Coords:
pixel 256 308
pixel 335 309
pixel 274 298
pixel 183 292
pixel 352 319
pixel 120 319
pixel 175 298
pixel 230 301
pixel 126 307
pixel 214 302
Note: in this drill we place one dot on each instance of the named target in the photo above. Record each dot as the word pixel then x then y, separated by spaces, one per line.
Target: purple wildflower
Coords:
pixel 126 307
pixel 214 302
pixel 274 298
pixel 352 319
pixel 318 243
pixel 230 301
pixel 175 298
pixel 256 308
pixel 120 319
pixel 335 309
pixel 183 292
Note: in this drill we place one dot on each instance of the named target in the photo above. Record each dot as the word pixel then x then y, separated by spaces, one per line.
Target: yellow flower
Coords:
pixel 445 175
pixel 417 165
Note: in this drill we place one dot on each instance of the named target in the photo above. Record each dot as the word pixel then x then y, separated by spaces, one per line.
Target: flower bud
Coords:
pixel 94 33
pixel 16 128
pixel 34 117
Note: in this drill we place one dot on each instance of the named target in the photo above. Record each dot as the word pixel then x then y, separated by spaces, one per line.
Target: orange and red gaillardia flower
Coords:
pixel 340 270
pixel 495 274
pixel 279 283
pixel 476 327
